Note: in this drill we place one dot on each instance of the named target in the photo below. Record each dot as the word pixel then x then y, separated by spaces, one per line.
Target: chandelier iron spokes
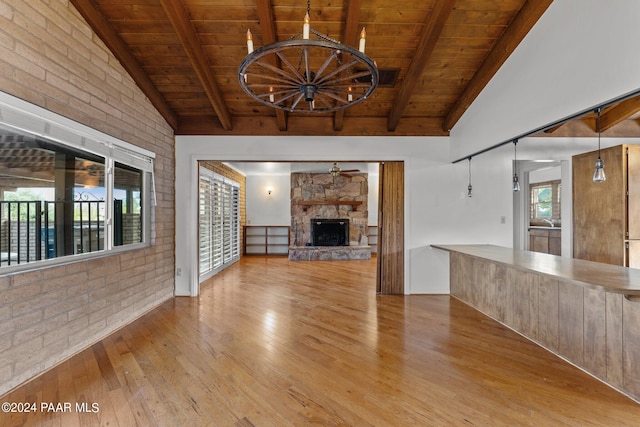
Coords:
pixel 308 75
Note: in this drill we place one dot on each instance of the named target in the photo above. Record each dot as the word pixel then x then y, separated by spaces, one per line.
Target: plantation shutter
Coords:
pixel 219 222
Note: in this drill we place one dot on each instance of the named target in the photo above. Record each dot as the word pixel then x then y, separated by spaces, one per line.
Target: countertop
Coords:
pixel 542 227
pixel 596 275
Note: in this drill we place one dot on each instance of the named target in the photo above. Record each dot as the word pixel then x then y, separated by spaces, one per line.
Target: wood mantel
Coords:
pixel 306 203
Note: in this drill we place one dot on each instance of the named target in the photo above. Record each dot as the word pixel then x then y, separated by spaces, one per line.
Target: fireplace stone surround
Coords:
pixel 323 196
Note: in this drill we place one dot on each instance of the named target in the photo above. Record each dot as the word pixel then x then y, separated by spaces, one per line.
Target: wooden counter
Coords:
pixel 611 278
pixel 586 312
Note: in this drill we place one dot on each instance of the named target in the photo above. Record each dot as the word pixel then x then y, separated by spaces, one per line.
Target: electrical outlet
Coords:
pixel 178 272
pixel 503 219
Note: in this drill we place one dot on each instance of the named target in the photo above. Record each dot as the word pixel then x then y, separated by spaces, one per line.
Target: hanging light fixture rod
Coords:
pixel 516 181
pixel 469 187
pixel 551 125
pixel 599 175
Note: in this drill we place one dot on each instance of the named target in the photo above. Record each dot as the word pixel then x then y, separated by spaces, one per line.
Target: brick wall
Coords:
pixel 26 234
pixel 224 170
pixel 50 57
pixel 131 232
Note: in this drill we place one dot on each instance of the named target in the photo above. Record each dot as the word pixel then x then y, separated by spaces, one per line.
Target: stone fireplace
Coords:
pixel 338 204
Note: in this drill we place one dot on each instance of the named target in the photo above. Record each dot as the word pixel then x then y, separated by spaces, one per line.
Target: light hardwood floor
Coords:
pixel 274 343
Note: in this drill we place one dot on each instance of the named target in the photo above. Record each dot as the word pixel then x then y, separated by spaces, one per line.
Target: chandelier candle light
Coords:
pixel 308 73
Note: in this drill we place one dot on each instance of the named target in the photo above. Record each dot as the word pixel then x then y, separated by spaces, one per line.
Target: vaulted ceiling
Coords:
pixel 185 54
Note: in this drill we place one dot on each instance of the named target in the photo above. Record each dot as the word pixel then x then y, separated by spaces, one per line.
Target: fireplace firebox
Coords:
pixel 330 232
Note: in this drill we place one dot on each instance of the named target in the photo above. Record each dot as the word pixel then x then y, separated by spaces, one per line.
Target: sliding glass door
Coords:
pixel 219 222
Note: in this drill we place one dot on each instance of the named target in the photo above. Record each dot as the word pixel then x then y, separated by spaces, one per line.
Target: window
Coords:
pixel 542 202
pixel 66 189
pixel 545 203
pixel 127 196
pixel 219 222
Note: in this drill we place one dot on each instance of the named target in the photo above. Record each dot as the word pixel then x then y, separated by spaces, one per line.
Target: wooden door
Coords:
pixel 633 192
pixel 599 211
pixel 390 259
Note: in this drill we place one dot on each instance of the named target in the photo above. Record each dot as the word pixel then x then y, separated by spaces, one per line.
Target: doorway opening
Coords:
pixel 267 191
pixel 541 205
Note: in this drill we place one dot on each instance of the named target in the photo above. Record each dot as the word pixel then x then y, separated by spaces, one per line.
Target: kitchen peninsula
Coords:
pixel 586 312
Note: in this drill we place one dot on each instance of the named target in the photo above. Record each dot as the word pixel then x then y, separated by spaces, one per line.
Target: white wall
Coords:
pixel 276 209
pixel 436 207
pixel 545 175
pixel 428 174
pixel 578 55
pixel 373 180
pixel 265 209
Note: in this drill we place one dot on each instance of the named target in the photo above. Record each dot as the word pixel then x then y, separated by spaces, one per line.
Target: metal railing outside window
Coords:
pixel 29 230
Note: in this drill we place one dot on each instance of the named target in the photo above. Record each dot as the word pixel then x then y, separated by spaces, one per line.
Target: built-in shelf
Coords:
pixel 266 240
pixel 372 235
pixel 306 203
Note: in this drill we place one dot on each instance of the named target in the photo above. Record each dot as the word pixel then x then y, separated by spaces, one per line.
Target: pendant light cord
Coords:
pixel 598 126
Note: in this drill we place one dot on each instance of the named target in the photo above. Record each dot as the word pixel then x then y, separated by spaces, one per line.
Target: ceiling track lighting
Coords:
pixel 469 187
pixel 599 175
pixel 551 125
pixel 516 180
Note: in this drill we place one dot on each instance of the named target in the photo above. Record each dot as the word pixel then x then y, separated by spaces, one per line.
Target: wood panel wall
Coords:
pixel 633 191
pixel 608 213
pixel 390 256
pixel 596 330
pixel 599 211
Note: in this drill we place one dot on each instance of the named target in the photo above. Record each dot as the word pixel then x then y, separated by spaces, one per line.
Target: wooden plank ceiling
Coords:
pixel 185 54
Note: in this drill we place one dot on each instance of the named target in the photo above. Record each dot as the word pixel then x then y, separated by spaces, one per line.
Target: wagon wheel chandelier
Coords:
pixel 308 75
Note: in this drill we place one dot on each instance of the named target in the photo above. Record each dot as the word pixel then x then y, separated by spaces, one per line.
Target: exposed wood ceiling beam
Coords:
pixel 433 28
pixel 522 23
pixel 268 30
pixel 350 37
pixel 553 129
pixel 618 113
pixel 312 126
pixel 103 29
pixel 186 33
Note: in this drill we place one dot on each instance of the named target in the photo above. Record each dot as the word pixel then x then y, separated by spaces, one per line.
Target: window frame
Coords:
pixel 33 120
pixel 556 186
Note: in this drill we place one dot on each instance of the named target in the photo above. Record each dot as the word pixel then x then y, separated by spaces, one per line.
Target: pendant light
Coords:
pixel 516 181
pixel 598 175
pixel 469 188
